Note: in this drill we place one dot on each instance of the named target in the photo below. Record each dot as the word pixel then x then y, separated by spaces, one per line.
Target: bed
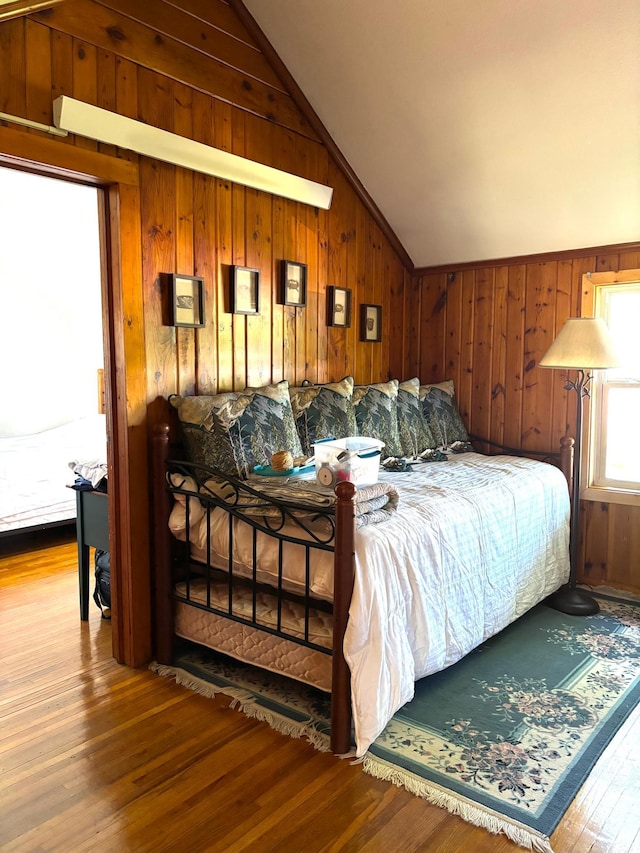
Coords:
pixel 296 581
pixel 35 473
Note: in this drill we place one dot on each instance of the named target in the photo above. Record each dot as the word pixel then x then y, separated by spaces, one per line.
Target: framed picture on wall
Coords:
pixel 244 285
pixel 293 279
pixel 187 299
pixel 339 306
pixel 370 322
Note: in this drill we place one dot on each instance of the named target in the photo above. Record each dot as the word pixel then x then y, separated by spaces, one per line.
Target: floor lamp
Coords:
pixel 584 344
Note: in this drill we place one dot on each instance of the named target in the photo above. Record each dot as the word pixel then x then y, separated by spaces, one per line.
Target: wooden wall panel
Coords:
pixel 61 66
pixel 109 53
pixel 38 59
pixel 431 310
pixel 85 82
pixel 13 68
pixel 223 244
pixel 394 275
pixel 452 356
pixel 321 174
pixel 486 328
pixel 465 391
pixel 199 73
pixel 236 50
pixel 337 355
pixel 498 349
pixel 513 334
pixel 480 416
pixel 356 282
pixel 101 27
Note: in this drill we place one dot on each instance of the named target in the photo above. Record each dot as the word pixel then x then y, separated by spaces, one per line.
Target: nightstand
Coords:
pixel 92 527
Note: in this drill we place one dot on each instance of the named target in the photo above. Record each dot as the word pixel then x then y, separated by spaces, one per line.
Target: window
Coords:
pixel 614 449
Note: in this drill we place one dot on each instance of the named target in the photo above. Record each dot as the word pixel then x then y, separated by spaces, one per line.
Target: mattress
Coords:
pixel 252 645
pixel 34 472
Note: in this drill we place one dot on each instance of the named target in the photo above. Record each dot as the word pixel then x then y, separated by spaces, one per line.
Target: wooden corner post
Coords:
pixel 161 574
pixel 342 591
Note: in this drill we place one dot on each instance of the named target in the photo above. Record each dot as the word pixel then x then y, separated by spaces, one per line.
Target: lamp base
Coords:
pixel 576 602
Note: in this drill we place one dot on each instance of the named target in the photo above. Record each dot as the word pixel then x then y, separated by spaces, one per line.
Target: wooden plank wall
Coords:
pixel 194 69
pixel 486 327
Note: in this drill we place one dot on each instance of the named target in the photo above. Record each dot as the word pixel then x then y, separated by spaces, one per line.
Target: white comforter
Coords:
pixel 476 541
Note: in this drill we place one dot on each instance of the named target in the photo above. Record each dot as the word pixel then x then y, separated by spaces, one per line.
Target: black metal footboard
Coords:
pixel 254 522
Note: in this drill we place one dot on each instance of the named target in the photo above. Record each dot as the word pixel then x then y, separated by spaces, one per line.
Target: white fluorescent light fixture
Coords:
pixel 104 126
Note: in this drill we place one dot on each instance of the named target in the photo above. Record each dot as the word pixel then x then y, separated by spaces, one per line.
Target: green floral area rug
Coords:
pixel 504 739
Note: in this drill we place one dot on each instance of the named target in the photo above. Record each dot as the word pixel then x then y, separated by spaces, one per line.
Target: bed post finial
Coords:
pixel 567 449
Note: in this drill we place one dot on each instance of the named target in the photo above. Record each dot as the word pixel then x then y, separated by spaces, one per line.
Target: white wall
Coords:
pixel 50 302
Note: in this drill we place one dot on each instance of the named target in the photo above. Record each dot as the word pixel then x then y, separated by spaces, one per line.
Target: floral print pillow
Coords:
pixel 376 408
pixel 323 411
pixel 202 445
pixel 236 430
pixel 254 426
pixel 413 430
pixel 440 410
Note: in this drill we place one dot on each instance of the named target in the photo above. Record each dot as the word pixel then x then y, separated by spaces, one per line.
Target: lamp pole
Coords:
pixel 569 599
pixel 584 344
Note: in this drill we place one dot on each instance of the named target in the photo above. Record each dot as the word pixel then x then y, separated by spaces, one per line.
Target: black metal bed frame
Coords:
pixel 270 516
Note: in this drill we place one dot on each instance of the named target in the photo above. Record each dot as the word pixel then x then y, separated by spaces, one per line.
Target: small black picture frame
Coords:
pixel 370 322
pixel 244 283
pixel 187 300
pixel 293 281
pixel 339 307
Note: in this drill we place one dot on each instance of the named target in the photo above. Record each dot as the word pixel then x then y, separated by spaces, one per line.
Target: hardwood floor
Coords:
pixel 96 756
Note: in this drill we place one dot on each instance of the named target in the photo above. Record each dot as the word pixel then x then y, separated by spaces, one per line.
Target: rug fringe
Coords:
pixel 245 702
pixel 467 810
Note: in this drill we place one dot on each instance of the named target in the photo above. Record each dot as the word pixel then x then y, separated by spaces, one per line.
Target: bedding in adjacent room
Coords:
pixel 35 472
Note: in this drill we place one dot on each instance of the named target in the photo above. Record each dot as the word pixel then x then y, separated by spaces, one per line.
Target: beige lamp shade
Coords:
pixel 584 343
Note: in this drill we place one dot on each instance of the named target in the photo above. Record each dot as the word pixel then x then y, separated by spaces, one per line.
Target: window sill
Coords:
pixel 610 496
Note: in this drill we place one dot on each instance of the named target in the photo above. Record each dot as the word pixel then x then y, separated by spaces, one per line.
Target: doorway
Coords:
pixel 126 389
pixel 51 347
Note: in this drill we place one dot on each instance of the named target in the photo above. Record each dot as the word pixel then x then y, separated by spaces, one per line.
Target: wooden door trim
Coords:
pixel 55 157
pixel 126 407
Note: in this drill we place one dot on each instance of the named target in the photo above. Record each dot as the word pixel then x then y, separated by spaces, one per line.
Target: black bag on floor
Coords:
pixel 102 592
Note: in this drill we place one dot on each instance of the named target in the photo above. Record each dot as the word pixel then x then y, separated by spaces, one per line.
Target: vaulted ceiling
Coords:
pixel 482 130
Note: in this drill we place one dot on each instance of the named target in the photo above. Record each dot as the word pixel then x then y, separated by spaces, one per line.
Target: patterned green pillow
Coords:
pixel 254 426
pixel 414 432
pixel 202 444
pixel 323 411
pixel 440 410
pixel 376 408
pixel 207 440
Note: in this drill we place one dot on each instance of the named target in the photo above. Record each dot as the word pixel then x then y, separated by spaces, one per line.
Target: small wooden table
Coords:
pixel 92 527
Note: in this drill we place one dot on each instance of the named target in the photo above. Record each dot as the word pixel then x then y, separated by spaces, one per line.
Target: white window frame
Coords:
pixel 596 487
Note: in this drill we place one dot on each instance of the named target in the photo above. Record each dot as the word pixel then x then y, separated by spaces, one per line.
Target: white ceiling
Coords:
pixel 482 129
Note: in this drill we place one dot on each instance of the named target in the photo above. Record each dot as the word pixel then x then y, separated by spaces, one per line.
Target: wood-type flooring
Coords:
pixel 99 757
